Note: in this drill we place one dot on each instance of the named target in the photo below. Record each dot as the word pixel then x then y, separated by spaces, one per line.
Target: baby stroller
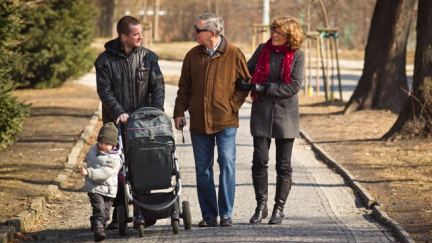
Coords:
pixel 151 173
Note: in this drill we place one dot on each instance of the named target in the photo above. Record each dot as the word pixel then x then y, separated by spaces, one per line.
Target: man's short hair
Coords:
pixel 124 23
pixel 212 22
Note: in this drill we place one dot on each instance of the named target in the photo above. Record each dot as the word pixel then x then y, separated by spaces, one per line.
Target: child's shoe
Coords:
pixel 99 233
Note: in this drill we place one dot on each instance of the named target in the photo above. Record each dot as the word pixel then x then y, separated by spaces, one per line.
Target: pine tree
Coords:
pixel 57 36
pixel 12 113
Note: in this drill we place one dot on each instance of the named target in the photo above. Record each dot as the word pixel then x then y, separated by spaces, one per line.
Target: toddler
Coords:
pixel 103 163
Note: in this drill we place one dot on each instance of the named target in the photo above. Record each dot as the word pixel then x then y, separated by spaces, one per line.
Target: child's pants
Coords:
pixel 101 206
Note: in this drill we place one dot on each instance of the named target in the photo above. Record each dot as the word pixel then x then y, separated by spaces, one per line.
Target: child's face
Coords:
pixel 104 147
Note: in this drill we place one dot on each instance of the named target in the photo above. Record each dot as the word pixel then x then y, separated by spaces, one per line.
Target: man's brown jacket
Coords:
pixel 207 88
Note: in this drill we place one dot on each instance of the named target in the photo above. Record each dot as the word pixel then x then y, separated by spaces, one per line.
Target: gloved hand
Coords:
pixel 242 84
pixel 259 88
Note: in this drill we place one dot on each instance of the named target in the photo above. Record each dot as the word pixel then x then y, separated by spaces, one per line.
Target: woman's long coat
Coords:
pixel 275 113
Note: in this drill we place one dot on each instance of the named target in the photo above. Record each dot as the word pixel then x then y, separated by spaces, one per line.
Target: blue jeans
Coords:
pixel 203 148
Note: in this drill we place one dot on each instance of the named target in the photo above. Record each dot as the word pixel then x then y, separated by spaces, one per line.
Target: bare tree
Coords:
pixel 383 84
pixel 415 120
pixel 239 15
pixel 104 19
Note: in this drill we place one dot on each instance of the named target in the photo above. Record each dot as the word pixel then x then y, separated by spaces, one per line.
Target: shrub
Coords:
pixel 12 113
pixel 57 36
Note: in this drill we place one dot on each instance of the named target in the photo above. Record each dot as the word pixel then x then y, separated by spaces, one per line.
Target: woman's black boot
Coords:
pixel 283 187
pixel 260 188
pixel 277 215
pixel 261 212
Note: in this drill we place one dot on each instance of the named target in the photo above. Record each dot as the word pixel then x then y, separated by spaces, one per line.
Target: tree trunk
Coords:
pixel 104 20
pixel 383 84
pixel 415 120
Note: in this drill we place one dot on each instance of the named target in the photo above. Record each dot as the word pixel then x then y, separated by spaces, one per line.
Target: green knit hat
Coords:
pixel 108 134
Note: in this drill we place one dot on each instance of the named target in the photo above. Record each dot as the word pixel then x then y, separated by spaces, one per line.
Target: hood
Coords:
pixel 115 151
pixel 114 47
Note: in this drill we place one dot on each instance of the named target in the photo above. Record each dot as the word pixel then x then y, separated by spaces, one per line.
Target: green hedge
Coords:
pixel 12 113
pixel 56 41
pixel 42 44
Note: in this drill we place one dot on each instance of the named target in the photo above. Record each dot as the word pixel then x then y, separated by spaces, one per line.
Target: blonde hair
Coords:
pixel 292 29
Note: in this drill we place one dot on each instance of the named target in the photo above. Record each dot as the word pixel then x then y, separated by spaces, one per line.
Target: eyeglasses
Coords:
pixel 274 31
pixel 198 30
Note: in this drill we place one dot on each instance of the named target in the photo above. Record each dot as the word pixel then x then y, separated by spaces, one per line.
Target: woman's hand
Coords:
pixel 242 84
pixel 259 88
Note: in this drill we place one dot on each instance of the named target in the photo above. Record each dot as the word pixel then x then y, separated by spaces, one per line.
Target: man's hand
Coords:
pixel 180 122
pixel 122 118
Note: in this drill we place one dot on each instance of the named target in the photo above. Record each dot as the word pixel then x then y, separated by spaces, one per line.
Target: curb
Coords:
pixel 26 218
pixel 370 203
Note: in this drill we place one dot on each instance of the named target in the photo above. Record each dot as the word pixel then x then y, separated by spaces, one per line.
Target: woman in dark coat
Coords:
pixel 277 70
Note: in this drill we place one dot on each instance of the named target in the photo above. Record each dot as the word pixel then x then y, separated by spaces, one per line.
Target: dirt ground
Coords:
pixel 58 116
pixel 397 174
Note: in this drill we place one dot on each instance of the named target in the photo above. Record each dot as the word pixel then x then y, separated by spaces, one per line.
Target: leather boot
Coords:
pixel 283 188
pixel 260 188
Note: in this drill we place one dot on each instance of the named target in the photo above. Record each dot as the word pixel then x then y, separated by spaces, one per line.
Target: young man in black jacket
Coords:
pixel 128 77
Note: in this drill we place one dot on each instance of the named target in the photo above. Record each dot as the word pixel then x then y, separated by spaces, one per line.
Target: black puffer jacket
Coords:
pixel 126 83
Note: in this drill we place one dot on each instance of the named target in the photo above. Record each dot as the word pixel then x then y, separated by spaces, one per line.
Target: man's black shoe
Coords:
pixel 226 222
pixel 208 223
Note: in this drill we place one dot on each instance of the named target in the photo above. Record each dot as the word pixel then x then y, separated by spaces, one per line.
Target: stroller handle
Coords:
pixel 120 137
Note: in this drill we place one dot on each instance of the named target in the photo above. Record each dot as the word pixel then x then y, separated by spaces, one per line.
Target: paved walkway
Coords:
pixel 320 208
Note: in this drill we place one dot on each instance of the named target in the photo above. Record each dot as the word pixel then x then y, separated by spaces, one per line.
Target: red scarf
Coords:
pixel 262 69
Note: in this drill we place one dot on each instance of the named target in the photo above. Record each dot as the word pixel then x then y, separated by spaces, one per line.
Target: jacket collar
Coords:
pixel 219 51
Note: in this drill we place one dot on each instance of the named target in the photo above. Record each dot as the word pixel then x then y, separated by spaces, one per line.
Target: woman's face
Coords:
pixel 279 38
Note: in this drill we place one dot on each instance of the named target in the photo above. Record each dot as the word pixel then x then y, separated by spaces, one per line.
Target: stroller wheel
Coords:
pixel 141 230
pixel 186 215
pixel 175 226
pixel 122 219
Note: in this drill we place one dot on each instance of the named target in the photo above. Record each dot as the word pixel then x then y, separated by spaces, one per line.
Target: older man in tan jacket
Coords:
pixel 207 91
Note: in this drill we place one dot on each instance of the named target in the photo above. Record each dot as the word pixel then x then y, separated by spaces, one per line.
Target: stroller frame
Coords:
pixel 173 205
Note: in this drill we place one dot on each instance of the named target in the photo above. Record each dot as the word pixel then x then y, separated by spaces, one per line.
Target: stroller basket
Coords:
pixel 150 163
pixel 149 150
